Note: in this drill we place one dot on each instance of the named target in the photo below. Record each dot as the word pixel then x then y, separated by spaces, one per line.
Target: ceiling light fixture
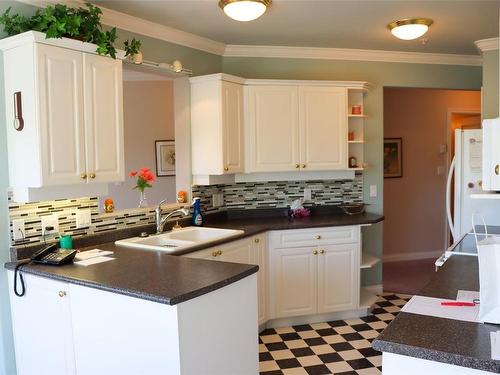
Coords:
pixel 244 10
pixel 410 28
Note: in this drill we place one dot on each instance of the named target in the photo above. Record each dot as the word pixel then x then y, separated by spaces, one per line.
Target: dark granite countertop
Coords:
pixel 455 342
pixel 171 279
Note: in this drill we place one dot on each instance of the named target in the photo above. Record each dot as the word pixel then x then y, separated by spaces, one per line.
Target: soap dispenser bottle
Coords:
pixel 197 218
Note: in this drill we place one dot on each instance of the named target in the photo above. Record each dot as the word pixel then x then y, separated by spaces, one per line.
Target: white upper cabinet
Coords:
pixel 70 102
pixel 323 127
pixel 273 129
pixel 216 125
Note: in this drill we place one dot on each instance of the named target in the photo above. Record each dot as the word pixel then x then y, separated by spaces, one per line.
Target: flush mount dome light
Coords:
pixel 410 28
pixel 244 10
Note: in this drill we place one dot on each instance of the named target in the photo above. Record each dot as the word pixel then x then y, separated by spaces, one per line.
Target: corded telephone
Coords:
pixel 50 254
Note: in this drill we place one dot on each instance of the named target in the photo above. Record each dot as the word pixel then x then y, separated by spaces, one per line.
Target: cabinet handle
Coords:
pixel 62 293
pixel 318 237
pixel 497 169
pixel 18 111
pixel 215 253
pixel 83 176
pixel 92 175
pixel 315 252
pixel 303 165
pixel 256 240
pixel 219 252
pixel 226 169
pixel 322 251
pixel 297 166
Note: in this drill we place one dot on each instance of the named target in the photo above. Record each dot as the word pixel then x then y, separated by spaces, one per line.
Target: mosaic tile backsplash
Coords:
pixel 236 196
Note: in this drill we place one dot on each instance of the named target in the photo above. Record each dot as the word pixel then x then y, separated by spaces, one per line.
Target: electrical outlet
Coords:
pixel 307 194
pixel 50 221
pixel 217 200
pixel 18 229
pixel 83 218
pixel 373 191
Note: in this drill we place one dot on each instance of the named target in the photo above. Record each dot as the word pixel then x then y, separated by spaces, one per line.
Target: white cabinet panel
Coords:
pixel 237 252
pixel 323 127
pixel 232 109
pixel 295 275
pixel 41 319
pixel 103 118
pixel 338 278
pixel 273 130
pixel 260 252
pixel 61 115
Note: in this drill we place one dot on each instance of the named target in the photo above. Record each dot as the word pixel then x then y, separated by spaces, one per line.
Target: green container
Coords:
pixel 66 242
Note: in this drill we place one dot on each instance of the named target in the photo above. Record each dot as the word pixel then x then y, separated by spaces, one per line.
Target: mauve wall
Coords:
pixel 148 115
pixel 414 205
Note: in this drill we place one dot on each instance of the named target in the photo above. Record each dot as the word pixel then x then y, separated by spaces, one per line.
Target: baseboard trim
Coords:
pixel 415 255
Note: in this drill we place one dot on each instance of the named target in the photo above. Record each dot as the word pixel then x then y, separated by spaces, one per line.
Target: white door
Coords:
pixel 104 118
pixel 323 127
pixel 338 280
pixel 43 336
pixel 60 96
pixel 259 250
pixel 273 133
pixel 232 125
pixel 294 277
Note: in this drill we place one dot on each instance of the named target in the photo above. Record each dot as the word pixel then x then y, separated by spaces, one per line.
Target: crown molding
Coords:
pixel 490 44
pixel 350 54
pixel 154 30
pixel 143 27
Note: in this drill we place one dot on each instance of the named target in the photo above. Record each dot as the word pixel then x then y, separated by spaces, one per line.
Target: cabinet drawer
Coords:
pixel 317 236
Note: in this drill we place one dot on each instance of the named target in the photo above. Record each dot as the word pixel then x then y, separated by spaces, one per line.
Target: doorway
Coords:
pixel 415 226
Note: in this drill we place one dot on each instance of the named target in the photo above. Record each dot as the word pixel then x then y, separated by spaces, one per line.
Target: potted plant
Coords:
pixel 132 50
pixel 144 179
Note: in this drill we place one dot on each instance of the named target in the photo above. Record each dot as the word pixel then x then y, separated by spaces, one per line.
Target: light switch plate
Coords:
pixel 18 229
pixel 373 191
pixel 307 194
pixel 50 221
pixel 83 218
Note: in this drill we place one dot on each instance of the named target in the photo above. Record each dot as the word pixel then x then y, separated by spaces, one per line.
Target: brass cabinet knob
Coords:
pixel 256 240
pixel 219 252
pixel 315 252
pixel 303 165
pixel 318 237
pixel 322 251
pixel 92 175
pixel 226 169
pixel 215 253
pixel 83 176
pixel 62 293
pixel 497 169
pixel 297 166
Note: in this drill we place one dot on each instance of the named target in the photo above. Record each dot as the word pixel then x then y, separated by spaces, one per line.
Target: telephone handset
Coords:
pixel 50 254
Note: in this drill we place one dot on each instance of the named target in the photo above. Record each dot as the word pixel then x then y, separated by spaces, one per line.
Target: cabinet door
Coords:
pixel 60 97
pixel 237 252
pixel 323 127
pixel 232 125
pixel 259 250
pixel 43 335
pixel 338 277
pixel 294 275
pixel 103 118
pixel 273 133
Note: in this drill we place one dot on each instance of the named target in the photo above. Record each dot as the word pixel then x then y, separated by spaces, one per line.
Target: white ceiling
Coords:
pixel 328 23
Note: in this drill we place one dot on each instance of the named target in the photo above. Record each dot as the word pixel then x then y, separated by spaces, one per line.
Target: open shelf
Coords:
pixel 485 196
pixel 360 141
pixel 358 116
pixel 367 297
pixel 368 261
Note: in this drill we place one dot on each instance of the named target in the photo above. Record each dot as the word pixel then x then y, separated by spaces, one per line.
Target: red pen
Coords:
pixel 457 303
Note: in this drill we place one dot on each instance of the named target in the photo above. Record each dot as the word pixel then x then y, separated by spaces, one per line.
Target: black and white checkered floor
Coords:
pixel 337 347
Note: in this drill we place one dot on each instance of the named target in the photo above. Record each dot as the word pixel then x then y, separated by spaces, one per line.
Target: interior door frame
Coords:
pixel 451 112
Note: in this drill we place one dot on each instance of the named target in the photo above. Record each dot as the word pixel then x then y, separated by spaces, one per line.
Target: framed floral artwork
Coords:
pixel 165 158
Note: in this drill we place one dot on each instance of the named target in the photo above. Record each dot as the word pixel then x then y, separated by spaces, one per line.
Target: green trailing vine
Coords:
pixel 132 47
pixel 58 21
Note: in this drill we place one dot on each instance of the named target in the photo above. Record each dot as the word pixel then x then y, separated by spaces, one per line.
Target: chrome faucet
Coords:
pixel 162 220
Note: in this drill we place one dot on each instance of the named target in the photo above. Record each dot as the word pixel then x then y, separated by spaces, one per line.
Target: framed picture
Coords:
pixel 393 157
pixel 165 158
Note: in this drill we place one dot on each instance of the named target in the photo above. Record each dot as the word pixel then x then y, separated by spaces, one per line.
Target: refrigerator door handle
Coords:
pixel 448 199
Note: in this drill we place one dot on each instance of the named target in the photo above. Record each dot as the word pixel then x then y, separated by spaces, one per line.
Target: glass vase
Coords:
pixel 143 202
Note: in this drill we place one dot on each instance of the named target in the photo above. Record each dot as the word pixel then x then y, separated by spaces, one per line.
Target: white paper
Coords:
pixel 95 260
pixel 467 296
pixel 92 254
pixel 495 345
pixel 432 307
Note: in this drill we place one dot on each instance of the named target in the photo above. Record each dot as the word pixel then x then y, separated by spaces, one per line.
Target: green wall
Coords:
pixel 490 84
pixel 379 74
